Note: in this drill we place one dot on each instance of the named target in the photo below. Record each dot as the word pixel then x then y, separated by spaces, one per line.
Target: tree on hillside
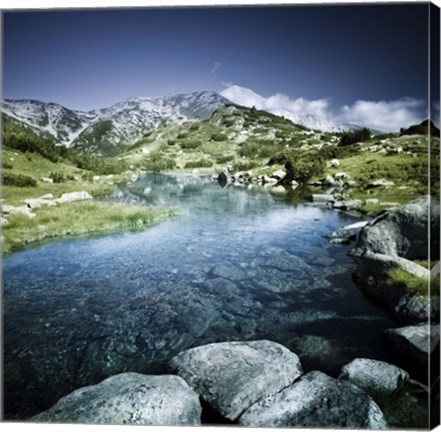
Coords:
pixel 348 138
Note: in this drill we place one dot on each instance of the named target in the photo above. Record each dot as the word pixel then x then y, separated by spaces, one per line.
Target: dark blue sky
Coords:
pixel 91 59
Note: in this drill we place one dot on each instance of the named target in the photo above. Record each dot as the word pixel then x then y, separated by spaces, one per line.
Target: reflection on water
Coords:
pixel 237 265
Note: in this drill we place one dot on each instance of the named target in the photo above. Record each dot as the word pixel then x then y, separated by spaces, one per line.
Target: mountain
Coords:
pixel 111 130
pixel 248 98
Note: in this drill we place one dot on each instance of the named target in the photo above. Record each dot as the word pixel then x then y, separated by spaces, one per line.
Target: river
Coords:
pixel 238 264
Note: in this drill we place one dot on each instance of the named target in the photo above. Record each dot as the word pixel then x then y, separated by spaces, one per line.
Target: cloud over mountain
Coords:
pixel 387 116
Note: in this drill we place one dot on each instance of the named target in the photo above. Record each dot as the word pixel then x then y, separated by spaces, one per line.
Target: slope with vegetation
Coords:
pixel 34 167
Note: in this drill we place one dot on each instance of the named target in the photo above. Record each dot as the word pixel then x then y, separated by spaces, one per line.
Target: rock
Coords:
pixel 47 197
pixel 416 343
pixel 8 209
pixel 329 180
pixel 374 375
pixel 356 225
pixel 341 236
pixel 389 204
pixel 316 400
pixel 322 198
pixel 195 173
pixel 265 179
pixel 278 190
pixel 73 196
pixel 341 175
pixel 231 376
pixel 347 205
pixel 279 174
pixel 129 398
pixel 335 163
pixel 435 271
pixel 403 231
pixel 380 183
pixel 223 178
pixel 46 180
pixel 38 202
pixel 96 178
pixel 372 201
pixel 3 221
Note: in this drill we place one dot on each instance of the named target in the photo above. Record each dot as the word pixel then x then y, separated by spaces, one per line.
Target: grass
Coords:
pixel 420 286
pixel 76 219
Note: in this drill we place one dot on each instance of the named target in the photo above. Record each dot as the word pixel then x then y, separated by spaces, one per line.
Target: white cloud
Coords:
pixel 215 67
pixel 387 116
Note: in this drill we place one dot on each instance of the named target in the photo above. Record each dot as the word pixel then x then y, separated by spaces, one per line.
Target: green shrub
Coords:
pixel 19 180
pixel 57 177
pixel 260 149
pixel 224 159
pixel 194 127
pixel 190 145
pixel 182 135
pixel 5 165
pixel 244 165
pixel 348 138
pixel 157 163
pixel 201 163
pixel 218 137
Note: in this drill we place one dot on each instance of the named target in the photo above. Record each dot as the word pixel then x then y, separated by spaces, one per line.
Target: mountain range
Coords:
pixel 109 131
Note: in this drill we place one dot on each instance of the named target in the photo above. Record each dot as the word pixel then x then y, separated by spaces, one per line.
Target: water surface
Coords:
pixel 238 264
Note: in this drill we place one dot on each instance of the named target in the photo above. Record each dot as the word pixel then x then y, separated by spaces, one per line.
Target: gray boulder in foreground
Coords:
pixel 316 400
pixel 129 398
pixel 231 376
pixel 403 231
pixel 414 342
pixel 374 375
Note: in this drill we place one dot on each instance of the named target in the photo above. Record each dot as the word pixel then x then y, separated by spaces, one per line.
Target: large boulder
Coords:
pixel 403 231
pixel 316 400
pixel 415 343
pixel 231 376
pixel 73 196
pixel 129 398
pixel 374 376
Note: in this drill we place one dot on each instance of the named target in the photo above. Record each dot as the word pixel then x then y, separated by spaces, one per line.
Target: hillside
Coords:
pixel 110 130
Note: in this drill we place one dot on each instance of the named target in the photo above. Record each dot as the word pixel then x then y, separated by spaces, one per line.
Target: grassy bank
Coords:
pixel 78 218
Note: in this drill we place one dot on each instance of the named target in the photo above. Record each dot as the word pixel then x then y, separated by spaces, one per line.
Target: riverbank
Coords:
pixel 77 219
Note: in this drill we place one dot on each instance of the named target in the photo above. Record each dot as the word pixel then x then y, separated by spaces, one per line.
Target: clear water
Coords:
pixel 237 265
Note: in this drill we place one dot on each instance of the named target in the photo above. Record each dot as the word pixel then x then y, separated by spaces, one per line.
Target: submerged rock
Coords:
pixel 322 198
pixel 129 398
pixel 373 376
pixel 316 400
pixel 231 376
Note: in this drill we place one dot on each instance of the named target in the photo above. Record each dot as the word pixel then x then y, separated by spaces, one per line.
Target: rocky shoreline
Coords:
pixel 259 383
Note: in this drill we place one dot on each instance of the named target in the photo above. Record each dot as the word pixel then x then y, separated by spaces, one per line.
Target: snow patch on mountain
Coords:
pixel 116 126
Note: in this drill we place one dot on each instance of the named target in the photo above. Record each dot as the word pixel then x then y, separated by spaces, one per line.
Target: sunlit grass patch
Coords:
pixel 420 286
pixel 76 219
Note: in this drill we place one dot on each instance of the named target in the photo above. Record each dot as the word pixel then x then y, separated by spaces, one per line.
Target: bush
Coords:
pixel 201 163
pixel 301 166
pixel 5 165
pixel 224 159
pixel 348 138
pixel 19 180
pixel 194 127
pixel 218 137
pixel 57 177
pixel 190 145
pixel 244 165
pixel 260 149
pixel 157 163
